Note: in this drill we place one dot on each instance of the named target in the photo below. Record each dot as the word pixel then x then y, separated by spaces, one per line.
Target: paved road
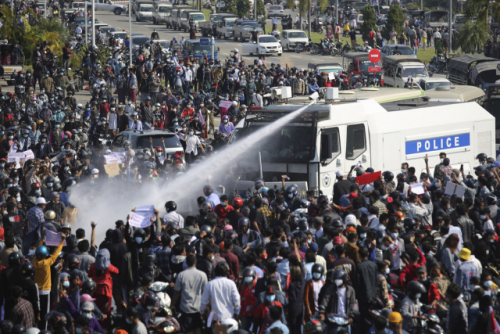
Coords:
pixel 120 22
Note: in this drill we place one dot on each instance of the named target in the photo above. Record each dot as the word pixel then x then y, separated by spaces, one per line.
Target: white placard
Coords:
pixel 453 188
pixel 417 188
pixel 138 220
pixel 225 104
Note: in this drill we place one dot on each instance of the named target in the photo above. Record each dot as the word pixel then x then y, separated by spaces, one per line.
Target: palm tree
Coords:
pixel 472 35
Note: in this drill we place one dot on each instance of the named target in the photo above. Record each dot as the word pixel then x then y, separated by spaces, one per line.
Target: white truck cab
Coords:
pixel 433 82
pixel 399 69
pixel 266 45
pixel 333 137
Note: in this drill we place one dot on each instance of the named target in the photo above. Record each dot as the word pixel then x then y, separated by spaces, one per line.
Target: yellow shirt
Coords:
pixel 43 278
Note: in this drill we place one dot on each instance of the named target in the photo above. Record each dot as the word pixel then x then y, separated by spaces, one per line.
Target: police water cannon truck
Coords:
pixel 330 137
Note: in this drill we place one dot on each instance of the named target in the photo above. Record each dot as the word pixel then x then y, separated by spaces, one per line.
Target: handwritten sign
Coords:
pixel 137 220
pixel 453 188
pixel 121 155
pixel 112 169
pixel 225 104
pixel 53 238
pixel 146 211
pixel 16 157
pixel 286 61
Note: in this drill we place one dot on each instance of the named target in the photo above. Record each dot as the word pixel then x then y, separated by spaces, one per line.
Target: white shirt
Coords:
pixel 394 247
pixel 275 20
pixel 135 126
pixel 188 75
pixel 342 300
pixel 316 289
pixel 174 217
pixel 192 143
pixel 129 108
pixel 223 296
pixel 113 121
pixel 78 31
pixel 488 225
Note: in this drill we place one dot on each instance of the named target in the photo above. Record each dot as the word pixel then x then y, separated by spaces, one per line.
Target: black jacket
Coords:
pixel 205 265
pixel 328 299
pixel 252 237
pixel 467 227
pixel 366 280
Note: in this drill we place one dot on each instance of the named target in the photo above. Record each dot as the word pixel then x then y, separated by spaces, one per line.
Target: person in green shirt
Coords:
pixel 439 46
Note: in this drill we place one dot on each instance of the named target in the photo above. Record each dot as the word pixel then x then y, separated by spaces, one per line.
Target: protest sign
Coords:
pixel 368 178
pixel 286 61
pixel 417 188
pixel 112 169
pixel 137 220
pixel 453 188
pixel 53 238
pixel 225 104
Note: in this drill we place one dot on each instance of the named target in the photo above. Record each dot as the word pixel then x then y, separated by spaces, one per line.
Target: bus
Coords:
pixel 417 14
pixel 436 19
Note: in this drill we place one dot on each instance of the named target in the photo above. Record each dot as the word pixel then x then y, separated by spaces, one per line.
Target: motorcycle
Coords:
pixel 438 64
pixel 433 326
pixel 345 49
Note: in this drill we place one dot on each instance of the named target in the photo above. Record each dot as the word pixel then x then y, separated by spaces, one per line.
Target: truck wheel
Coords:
pixel 251 54
pixel 279 54
pixel 235 38
pixel 118 11
pixel 137 19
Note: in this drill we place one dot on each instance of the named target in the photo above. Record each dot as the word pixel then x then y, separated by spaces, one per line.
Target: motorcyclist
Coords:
pixel 292 200
pixel 226 128
pixel 410 307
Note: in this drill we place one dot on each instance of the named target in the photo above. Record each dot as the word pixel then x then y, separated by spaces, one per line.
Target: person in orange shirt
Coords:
pixel 188 111
pixel 223 208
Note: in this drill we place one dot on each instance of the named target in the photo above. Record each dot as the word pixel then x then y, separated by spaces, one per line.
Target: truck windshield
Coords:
pixel 146 9
pixel 414 71
pixel 165 10
pixel 78 5
pixel 283 146
pixel 171 141
pixel 250 24
pixel 364 64
pixel 267 39
pixel 230 23
pixel 300 34
pixel 197 48
pixel 431 85
pixel 198 17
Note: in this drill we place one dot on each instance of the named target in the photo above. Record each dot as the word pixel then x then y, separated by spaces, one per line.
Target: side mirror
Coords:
pixel 326 146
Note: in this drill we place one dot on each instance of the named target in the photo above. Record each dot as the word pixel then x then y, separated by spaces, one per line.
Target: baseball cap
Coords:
pixel 86 298
pixel 480 168
pixel 270 290
pixel 352 195
pixel 421 269
pixel 338 241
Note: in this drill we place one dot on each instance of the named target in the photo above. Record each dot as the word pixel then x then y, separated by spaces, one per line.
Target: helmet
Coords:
pixel 434 318
pixel 150 260
pixel 170 206
pixel 409 223
pixel 157 239
pixel 27 269
pixel 388 176
pixel 88 286
pixel 322 198
pixel 15 259
pixel 259 183
pixel 73 261
pixel 237 202
pixel 249 271
pixel 50 215
pixel 481 157
pixel 170 325
pixel 360 171
pixel 337 224
pixel 56 319
pixel 339 274
pixel 18 329
pixel 225 117
pixel 395 317
pixel 66 226
pixel 206 228
pixel 139 233
pixel 207 205
pixel 87 306
pixel 416 287
pixel 399 215
pixel 126 143
pixel 317 268
pixel 42 252
pixel 291 190
pixel 148 298
pixel 244 221
pixel 135 298
pixel 303 225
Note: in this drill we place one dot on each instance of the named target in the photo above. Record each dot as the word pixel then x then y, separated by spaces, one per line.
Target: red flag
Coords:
pixel 495 328
pixel 368 178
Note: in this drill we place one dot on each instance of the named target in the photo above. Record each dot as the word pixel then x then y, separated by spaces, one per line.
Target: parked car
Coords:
pixel 266 45
pixel 276 11
pixel 242 29
pixel 107 6
pixel 139 140
pixel 161 11
pixel 139 40
pixel 290 38
pixel 144 12
pixel 388 50
pixel 119 37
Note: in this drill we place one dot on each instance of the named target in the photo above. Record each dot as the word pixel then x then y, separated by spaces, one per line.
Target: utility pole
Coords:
pixel 130 31
pixel 336 11
pixel 93 23
pixel 421 4
pixel 255 10
pixel 44 12
pixel 450 31
pixel 309 18
pixel 86 29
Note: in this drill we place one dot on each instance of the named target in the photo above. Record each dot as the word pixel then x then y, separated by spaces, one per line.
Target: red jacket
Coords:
pixel 409 273
pixel 104 282
pixel 222 211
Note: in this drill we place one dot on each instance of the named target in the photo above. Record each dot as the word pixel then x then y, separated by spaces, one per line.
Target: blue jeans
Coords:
pixel 415 49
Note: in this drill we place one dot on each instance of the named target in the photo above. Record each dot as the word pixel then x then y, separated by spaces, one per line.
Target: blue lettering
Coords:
pixel 437 143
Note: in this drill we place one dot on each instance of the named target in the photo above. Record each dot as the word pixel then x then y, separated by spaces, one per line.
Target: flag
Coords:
pixel 202 120
pixel 495 328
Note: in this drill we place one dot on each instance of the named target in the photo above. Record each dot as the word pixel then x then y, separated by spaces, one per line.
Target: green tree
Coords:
pixel 474 7
pixel 472 35
pixel 369 22
pixel 243 7
pixel 395 19
pixel 230 7
pixel 261 8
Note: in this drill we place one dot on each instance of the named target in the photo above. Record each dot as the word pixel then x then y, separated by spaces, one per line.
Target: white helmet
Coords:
pixel 79 105
pixel 95 171
pixel 32 330
pixel 235 103
pixel 235 50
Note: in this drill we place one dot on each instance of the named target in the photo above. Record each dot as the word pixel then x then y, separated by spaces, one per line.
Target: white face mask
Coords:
pixel 339 282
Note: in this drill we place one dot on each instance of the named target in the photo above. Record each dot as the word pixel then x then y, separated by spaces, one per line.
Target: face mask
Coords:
pixel 270 298
pixel 384 248
pixel 44 140
pixel 316 276
pixel 10 185
pixel 191 133
pixel 423 279
pixel 394 235
pixel 58 126
pixel 32 252
pixel 158 154
pixel 309 241
pixel 50 185
pixel 128 320
pixel 2 166
pixel 78 330
pixel 249 279
pixel 176 123
pixel 225 121
pixel 138 240
pixel 418 295
pixel 387 271
pixel 380 239
pixel 66 284
pixel 11 137
pixel 16 179
pixel 483 217
pixel 403 171
pixel 339 282
pixel 290 195
pixel 37 192
pixel 362 235
pixel 488 284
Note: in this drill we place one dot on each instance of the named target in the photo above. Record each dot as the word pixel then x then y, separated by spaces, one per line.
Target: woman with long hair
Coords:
pixel 448 257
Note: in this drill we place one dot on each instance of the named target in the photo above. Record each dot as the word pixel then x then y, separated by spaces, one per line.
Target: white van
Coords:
pixel 336 137
pixel 398 69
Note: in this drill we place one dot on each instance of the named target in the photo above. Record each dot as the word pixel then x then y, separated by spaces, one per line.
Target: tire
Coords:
pixel 137 19
pixel 279 54
pixel 251 54
pixel 235 38
pixel 118 11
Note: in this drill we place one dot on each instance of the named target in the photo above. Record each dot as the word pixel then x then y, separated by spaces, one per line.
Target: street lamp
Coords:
pixel 130 31
pixel 93 23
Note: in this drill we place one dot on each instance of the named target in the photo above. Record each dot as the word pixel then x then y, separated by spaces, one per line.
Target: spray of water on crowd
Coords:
pixel 114 201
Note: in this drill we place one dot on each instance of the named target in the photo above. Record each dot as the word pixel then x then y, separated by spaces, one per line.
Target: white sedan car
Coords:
pixel 266 45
